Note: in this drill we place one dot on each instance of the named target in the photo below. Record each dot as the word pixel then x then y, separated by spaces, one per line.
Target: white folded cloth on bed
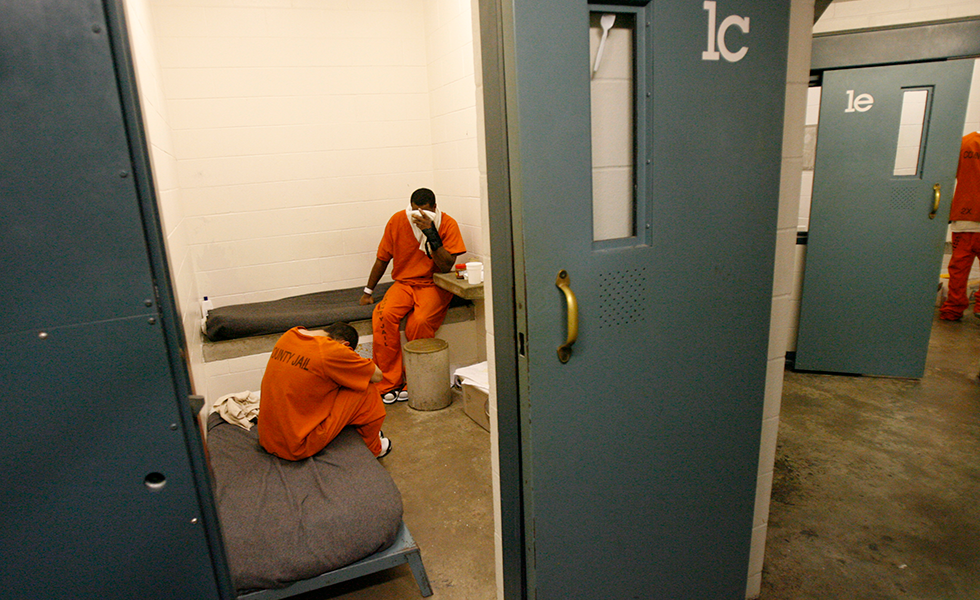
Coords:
pixel 436 221
pixel 475 375
pixel 238 408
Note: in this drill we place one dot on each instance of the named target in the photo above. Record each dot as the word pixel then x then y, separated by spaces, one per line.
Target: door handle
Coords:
pixel 564 283
pixel 935 200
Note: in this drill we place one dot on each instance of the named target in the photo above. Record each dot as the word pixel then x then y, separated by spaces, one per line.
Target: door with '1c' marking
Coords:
pixel 642 169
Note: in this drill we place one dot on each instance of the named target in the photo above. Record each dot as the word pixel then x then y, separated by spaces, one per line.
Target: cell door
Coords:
pixel 104 493
pixel 644 186
pixel 886 161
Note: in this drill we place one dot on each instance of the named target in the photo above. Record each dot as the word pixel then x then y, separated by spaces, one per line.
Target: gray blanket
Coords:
pixel 285 521
pixel 276 316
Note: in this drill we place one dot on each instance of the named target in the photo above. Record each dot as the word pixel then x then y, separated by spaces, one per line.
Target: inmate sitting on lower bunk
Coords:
pixel 314 385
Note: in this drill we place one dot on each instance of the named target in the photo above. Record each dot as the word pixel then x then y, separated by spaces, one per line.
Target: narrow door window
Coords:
pixel 911 132
pixel 612 37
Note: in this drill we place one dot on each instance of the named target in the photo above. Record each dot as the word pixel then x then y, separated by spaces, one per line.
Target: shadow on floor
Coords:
pixel 876 490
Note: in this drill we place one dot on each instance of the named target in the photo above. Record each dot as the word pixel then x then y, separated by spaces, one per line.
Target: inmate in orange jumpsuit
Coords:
pixel 413 294
pixel 313 387
pixel 964 214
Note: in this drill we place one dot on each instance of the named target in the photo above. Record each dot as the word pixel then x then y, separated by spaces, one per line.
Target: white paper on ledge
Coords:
pixel 475 375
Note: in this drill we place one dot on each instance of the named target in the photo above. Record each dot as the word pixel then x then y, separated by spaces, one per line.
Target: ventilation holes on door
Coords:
pixel 622 297
pixel 903 198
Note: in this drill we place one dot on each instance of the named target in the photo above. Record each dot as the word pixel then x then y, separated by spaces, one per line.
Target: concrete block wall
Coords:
pixel 453 116
pixel 298 131
pixel 453 93
pixel 284 135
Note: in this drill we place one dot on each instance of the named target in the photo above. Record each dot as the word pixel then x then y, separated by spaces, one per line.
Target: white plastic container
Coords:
pixel 206 306
pixel 474 272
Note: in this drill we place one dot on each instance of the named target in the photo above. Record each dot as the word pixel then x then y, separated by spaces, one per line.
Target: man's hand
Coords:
pixel 377 270
pixel 421 220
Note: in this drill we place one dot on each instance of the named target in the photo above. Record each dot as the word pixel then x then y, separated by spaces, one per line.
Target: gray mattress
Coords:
pixel 276 316
pixel 284 521
pixel 308 310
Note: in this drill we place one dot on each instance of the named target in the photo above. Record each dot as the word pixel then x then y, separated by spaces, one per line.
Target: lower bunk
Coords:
pixel 295 526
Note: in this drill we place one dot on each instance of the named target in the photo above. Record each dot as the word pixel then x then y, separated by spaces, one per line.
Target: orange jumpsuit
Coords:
pixel 965 216
pixel 312 388
pixel 413 294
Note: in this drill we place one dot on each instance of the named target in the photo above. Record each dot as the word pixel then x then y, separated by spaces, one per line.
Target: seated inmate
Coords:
pixel 314 385
pixel 420 240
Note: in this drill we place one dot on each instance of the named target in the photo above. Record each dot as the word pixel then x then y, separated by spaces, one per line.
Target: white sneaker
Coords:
pixel 393 396
pixel 385 445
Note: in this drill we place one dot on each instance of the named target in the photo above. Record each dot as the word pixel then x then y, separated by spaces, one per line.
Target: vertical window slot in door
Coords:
pixel 612 40
pixel 911 132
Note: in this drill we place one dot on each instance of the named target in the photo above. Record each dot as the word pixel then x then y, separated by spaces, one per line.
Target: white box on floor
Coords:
pixel 476 404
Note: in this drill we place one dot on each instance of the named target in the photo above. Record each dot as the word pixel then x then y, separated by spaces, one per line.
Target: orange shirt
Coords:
pixel 410 265
pixel 302 381
pixel 966 198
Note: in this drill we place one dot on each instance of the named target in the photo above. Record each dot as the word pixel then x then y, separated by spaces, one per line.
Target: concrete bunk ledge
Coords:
pixel 257 344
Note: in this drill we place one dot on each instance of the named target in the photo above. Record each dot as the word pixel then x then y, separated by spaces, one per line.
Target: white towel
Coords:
pixel 238 408
pixel 436 220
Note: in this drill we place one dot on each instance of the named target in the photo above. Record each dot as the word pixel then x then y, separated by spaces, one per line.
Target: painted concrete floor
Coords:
pixel 876 493
pixel 440 461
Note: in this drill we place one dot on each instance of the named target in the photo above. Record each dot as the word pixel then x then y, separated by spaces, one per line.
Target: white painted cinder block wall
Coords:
pixel 301 127
pixel 286 135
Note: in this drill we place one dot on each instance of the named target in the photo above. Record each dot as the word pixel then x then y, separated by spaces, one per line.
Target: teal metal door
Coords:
pixel 875 246
pixel 105 494
pixel 640 452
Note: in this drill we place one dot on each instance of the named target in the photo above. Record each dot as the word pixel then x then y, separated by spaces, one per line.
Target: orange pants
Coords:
pixel 425 307
pixel 966 247
pixel 364 410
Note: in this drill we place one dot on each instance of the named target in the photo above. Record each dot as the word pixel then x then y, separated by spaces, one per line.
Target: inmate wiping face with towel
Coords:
pixel 420 240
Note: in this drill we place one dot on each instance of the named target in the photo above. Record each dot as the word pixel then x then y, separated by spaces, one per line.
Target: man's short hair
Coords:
pixel 342 332
pixel 423 197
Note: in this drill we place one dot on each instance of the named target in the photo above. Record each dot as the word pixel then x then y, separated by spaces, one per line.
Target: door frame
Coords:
pixel 505 288
pixel 896 44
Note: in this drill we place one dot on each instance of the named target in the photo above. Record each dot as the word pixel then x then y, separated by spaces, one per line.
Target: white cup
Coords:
pixel 474 272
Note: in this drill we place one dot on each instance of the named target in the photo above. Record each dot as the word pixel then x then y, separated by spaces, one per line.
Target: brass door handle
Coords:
pixel 935 200
pixel 564 282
